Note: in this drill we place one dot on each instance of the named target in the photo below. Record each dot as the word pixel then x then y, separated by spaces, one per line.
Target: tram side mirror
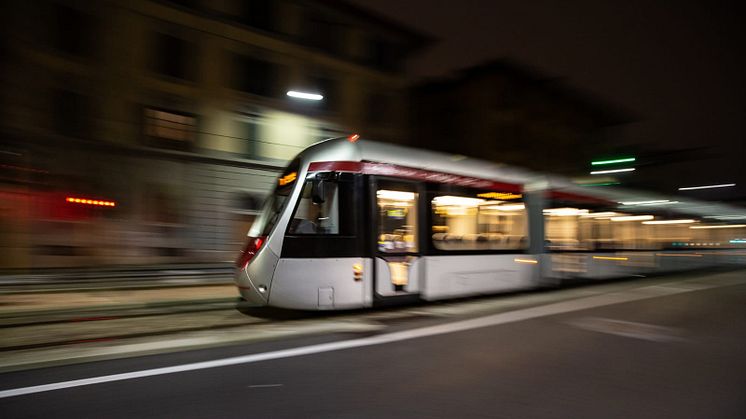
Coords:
pixel 317 191
pixel 318 188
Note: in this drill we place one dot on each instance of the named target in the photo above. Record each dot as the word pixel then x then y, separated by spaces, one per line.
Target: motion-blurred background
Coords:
pixel 145 132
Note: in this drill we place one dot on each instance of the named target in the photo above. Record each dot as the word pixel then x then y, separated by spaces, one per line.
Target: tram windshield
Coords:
pixel 276 201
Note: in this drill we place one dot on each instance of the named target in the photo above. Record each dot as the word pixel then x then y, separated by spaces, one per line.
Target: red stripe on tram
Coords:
pixel 385 169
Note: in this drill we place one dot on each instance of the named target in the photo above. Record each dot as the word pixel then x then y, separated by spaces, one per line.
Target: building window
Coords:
pixel 259 14
pixel 329 88
pixel 171 57
pixel 482 221
pixel 252 75
pixel 71 114
pixel 379 109
pixel 323 33
pixel 383 54
pixel 72 31
pixel 167 129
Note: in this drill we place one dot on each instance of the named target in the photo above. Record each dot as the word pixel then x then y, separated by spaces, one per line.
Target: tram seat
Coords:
pixel 471 237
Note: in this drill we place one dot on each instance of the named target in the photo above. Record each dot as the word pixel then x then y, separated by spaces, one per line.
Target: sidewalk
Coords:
pixel 111 273
pixel 41 303
pixel 63 294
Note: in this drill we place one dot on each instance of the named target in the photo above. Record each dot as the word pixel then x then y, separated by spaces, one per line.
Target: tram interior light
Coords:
pixel 395 195
pixel 719 226
pixel 604 215
pixel 632 218
pixel 686 221
pixel 457 200
pixel 509 207
pixel 565 212
pixel 651 202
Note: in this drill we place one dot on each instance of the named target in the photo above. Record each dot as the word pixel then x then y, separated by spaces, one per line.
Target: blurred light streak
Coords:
pixel 681 255
pixel 395 195
pixel 719 226
pixel 86 201
pixel 602 172
pixel 632 218
pixel 654 202
pixel 530 261
pixel 601 184
pixel 691 188
pixel 565 212
pixel 610 258
pixel 670 222
pixel 304 95
pixel 622 160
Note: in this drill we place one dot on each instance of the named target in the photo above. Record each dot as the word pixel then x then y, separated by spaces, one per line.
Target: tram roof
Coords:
pixel 362 150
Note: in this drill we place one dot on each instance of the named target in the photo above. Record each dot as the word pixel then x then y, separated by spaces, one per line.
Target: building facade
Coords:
pixel 503 112
pixel 149 131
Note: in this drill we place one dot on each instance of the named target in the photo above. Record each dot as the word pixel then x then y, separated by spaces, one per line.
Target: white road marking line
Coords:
pixel 628 329
pixel 458 326
pixel 265 385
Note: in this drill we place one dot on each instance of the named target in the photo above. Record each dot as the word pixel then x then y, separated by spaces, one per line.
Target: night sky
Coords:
pixel 678 67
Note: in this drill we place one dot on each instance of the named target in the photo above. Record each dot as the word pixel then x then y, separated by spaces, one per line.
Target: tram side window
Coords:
pixel 333 216
pixel 569 228
pixel 470 223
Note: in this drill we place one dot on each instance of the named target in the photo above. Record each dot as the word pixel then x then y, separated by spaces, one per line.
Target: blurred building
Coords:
pixel 503 112
pixel 139 131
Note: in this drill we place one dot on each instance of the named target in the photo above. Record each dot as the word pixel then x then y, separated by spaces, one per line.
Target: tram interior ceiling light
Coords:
pixel 632 218
pixel 653 202
pixel 600 215
pixel 693 188
pixel 603 172
pixel 565 212
pixel 720 226
pixel 304 95
pixel 613 161
pixel 395 195
pixel 687 221
pixel 448 200
pixel 508 207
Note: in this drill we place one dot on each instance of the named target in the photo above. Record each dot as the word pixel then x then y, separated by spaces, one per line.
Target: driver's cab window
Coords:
pixel 319 208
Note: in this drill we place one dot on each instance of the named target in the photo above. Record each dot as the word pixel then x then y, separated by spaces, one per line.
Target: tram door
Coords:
pixel 396 217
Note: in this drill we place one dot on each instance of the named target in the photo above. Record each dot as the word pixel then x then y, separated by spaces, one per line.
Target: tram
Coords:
pixel 355 223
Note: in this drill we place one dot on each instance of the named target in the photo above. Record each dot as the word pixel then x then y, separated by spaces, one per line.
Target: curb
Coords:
pixel 60 314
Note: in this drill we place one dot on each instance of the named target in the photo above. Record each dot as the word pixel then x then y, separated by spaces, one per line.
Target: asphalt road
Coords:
pixel 676 351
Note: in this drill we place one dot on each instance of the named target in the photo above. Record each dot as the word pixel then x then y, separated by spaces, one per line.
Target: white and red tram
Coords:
pixel 355 223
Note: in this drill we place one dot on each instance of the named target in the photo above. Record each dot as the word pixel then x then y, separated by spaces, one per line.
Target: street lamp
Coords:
pixel 304 95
